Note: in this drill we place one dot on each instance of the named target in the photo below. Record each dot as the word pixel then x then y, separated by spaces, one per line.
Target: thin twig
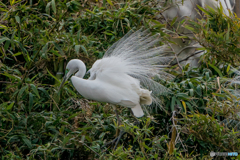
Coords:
pixel 172 27
pixel 89 147
pixel 189 57
pixel 175 56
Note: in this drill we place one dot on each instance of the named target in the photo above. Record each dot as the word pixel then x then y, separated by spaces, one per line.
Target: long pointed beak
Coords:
pixel 65 78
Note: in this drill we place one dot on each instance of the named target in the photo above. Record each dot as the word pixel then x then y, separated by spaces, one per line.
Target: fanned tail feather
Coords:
pixel 145 97
pixel 139 55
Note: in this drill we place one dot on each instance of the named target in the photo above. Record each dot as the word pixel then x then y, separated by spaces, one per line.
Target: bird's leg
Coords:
pixel 116 140
pixel 118 119
pixel 136 122
pixel 119 123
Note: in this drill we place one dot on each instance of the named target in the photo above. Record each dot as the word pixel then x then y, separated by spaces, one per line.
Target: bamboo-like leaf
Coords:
pixel 13 77
pixel 2 4
pixel 27 142
pixel 43 51
pixel 53 76
pixel 66 139
pixel 48 7
pixel 228 32
pixel 174 20
pixel 9 107
pixel 17 19
pixel 110 2
pixel 216 69
pixel 185 107
pixel 30 101
pixel 2 39
pixel 34 89
pixel 74 115
pixel 219 95
pixel 189 106
pixel 25 52
pixel 84 49
pixel 77 48
pixel 189 28
pixel 58 48
pixel 173 103
pixel 44 91
pixel 21 92
pixel 228 67
pixel 191 92
pixel 7 44
pixel 54 6
pixel 56 53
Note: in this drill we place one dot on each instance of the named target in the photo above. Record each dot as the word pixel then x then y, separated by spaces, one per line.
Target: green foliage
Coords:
pixel 37 122
pixel 218 34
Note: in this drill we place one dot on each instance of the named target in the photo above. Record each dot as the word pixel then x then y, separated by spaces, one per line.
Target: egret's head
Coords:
pixel 73 66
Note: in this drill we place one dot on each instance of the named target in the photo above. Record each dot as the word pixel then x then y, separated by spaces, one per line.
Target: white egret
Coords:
pixel 119 77
pixel 124 75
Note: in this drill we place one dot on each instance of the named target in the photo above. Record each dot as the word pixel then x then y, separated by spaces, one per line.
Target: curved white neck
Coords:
pixel 81 69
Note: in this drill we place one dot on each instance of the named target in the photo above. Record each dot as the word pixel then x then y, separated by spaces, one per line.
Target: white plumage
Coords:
pixel 124 75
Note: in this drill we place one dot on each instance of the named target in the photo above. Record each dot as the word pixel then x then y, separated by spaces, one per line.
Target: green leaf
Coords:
pixel 54 6
pixel 43 51
pixel 44 91
pixel 174 20
pixel 9 107
pixel 189 28
pixel 228 67
pixel 3 39
pixel 84 49
pixel 56 53
pixel 58 48
pixel 199 90
pixel 2 4
pixel 216 69
pixel 228 32
pixel 77 47
pixel 30 101
pixel 219 95
pixel 173 103
pixel 66 140
pixel 189 106
pixel 110 2
pixel 191 85
pixel 13 77
pixel 17 19
pixel 22 91
pixel 191 92
pixel 183 96
pixel 27 142
pixel 74 115
pixel 48 7
pixel 34 89
pixel 53 76
pixel 26 56
pixel 184 106
pixel 7 44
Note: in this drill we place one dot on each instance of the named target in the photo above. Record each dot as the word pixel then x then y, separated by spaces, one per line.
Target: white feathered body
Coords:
pixel 124 75
pixel 124 91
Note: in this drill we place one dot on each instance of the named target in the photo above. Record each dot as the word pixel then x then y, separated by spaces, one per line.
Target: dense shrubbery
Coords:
pixel 37 122
pixel 219 34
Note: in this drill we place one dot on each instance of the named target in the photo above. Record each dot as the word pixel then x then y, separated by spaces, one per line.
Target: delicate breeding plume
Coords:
pixel 124 76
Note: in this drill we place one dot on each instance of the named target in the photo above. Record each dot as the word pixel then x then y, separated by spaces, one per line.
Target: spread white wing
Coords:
pixel 138 55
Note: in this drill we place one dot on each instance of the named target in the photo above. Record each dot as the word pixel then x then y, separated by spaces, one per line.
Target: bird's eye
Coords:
pixel 67 70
